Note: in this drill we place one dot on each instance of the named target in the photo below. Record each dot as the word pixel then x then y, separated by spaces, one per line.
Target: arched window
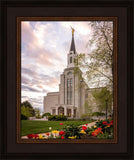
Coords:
pixel 60 111
pixel 69 73
pixel 70 59
pixel 69 112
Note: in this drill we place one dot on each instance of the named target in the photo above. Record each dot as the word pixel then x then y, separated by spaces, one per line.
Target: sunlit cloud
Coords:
pixel 44 49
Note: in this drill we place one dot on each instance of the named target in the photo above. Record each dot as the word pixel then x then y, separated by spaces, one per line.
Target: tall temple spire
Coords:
pixel 72 55
pixel 72 48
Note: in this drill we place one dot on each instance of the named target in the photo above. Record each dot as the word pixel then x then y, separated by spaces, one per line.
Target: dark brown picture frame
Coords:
pixel 18 86
pixel 10 11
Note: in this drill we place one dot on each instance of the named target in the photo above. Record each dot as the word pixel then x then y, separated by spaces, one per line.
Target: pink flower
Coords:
pixel 61 123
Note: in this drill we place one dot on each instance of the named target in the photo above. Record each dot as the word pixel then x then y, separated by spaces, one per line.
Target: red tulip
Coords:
pixel 99 129
pixel 61 133
pixel 36 136
pixel 47 133
pixel 84 128
pixel 62 137
pixel 30 136
pixel 105 122
pixel 111 122
pixel 93 134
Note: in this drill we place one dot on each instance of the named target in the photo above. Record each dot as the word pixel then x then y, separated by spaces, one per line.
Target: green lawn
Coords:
pixel 35 127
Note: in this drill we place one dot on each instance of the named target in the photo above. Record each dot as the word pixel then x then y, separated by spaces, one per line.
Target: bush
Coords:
pixel 52 118
pixel 105 135
pixel 98 114
pixel 38 117
pixel 85 117
pixel 57 118
pixel 100 124
pixel 80 119
pixel 72 130
pixel 23 117
pixel 46 115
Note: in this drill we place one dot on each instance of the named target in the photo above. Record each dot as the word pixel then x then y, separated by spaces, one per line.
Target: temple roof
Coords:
pixel 72 48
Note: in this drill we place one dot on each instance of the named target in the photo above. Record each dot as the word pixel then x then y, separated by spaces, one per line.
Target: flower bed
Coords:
pixel 101 129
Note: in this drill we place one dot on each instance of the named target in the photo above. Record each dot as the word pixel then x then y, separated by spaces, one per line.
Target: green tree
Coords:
pixel 37 113
pixel 88 109
pixel 101 96
pixel 97 66
pixel 26 111
pixel 29 106
pixel 46 115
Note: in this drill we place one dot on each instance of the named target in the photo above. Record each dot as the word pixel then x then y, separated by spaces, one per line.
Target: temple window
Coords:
pixel 70 59
pixel 61 111
pixel 69 91
pixel 69 73
pixel 69 112
pixel 53 111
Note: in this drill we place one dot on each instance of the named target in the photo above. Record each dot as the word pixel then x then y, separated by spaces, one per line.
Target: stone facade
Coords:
pixel 73 92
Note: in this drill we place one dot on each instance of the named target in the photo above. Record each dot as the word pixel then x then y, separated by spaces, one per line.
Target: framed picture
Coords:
pixel 66 88
pixel 76 113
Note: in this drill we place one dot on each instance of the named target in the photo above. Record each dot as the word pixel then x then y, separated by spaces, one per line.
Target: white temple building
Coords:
pixel 73 92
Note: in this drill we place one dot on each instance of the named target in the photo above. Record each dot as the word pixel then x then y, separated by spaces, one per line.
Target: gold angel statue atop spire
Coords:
pixel 72 31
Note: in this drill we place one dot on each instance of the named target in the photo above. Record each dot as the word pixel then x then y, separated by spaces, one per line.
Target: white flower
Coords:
pixel 50 128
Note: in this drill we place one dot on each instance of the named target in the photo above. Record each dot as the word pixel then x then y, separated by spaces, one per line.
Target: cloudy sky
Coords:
pixel 44 49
